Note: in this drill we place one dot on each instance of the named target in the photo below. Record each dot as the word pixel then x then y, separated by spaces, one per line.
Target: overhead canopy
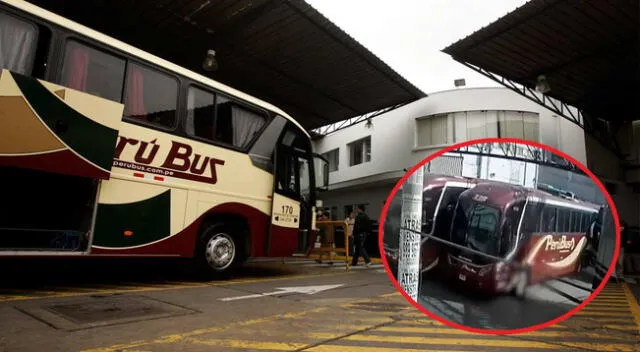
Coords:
pixel 281 51
pixel 587 49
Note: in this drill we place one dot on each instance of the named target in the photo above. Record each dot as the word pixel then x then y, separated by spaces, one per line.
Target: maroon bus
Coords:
pixel 509 237
pixel 440 195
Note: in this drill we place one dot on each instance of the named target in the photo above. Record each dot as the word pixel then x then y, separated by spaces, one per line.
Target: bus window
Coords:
pixel 200 113
pixel 92 71
pixel 560 227
pixel 548 219
pixel 531 221
pixel 235 124
pixel 483 228
pixel 507 239
pixel 444 214
pixel 150 96
pixel 18 43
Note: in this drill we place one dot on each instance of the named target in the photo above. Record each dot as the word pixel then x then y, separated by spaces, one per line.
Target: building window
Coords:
pixel 333 157
pixel 360 151
pixel 517 124
pixel 93 71
pixel 432 130
pixel 17 44
pixel 150 96
pixel 469 125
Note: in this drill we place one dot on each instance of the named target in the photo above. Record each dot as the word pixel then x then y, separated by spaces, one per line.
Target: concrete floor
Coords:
pixel 153 308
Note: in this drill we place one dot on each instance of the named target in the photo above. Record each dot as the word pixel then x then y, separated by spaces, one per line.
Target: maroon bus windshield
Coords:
pixel 476 226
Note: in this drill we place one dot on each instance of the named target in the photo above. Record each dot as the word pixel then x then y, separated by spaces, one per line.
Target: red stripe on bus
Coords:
pixel 158 178
pixel 137 174
pixel 270 197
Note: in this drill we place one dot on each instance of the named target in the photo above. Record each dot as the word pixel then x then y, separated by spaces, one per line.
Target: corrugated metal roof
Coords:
pixel 587 49
pixel 282 51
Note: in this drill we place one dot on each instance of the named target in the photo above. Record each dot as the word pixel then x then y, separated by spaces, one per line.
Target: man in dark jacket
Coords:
pixel 361 229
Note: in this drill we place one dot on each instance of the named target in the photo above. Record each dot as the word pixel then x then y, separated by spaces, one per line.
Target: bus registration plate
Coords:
pixel 462 277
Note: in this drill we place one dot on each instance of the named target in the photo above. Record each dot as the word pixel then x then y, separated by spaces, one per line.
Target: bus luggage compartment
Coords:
pixel 48 127
pixel 42 211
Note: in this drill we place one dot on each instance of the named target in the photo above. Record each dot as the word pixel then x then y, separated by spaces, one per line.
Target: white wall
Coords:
pixel 393 133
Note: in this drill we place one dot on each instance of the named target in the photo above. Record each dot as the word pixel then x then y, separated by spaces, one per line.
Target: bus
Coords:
pixel 509 237
pixel 107 150
pixel 439 197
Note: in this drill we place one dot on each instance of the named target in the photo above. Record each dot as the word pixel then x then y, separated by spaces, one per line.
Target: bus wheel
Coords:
pixel 218 252
pixel 523 282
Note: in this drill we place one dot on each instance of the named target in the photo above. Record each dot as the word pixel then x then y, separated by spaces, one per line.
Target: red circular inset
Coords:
pixel 557 320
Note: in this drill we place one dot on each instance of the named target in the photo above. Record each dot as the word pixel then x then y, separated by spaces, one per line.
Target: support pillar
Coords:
pixel 409 248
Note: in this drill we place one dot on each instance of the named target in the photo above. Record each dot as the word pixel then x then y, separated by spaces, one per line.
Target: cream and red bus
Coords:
pixel 106 150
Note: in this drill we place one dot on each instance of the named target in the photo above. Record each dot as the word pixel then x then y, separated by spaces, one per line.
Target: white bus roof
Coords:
pixel 105 39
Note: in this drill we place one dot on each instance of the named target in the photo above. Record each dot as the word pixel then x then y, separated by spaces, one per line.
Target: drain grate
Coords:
pixel 94 311
pixel 107 309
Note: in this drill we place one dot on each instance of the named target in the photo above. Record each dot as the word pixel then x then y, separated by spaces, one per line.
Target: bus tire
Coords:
pixel 523 282
pixel 218 251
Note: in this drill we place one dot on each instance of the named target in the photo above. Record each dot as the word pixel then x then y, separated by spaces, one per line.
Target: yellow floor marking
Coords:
pixel 496 342
pixel 254 345
pixel 609 314
pixel 179 337
pixel 341 348
pixel 633 305
pixel 450 331
pixel 341 258
pixel 393 294
pixel 12 298
pixel 605 309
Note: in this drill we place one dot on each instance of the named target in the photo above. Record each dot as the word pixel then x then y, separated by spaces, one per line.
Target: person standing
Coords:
pixel 361 229
pixel 351 221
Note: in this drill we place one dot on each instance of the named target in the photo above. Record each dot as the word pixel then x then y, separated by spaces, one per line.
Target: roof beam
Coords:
pixel 570 113
pixel 519 152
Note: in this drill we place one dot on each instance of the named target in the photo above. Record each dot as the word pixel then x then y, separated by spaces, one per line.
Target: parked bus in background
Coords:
pixel 106 150
pixel 519 237
pixel 440 195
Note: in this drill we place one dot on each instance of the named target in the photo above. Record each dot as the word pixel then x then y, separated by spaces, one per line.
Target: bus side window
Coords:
pixel 92 71
pixel 150 96
pixel 200 113
pixel 548 219
pixel 235 124
pixel 18 43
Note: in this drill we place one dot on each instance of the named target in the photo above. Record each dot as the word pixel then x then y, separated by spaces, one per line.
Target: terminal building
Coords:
pixel 366 160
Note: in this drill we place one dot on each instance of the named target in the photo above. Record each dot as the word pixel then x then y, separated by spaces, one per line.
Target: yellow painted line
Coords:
pixel 253 345
pixel 633 305
pixel 342 348
pixel 182 336
pixel 605 309
pixel 609 314
pixel 342 258
pixel 12 298
pixel 393 294
pixel 451 331
pixel 495 342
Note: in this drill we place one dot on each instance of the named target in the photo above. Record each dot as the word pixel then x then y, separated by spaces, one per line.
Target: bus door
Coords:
pixel 291 207
pixel 47 127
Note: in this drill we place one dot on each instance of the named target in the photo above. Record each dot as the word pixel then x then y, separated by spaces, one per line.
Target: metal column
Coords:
pixel 409 249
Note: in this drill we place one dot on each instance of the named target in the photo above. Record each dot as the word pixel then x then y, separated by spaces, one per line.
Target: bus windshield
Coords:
pixel 476 226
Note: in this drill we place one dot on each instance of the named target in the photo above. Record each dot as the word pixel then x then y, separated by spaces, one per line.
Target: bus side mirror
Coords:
pixel 321 170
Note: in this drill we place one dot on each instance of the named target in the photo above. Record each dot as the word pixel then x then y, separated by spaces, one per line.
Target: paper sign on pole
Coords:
pixel 409 249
